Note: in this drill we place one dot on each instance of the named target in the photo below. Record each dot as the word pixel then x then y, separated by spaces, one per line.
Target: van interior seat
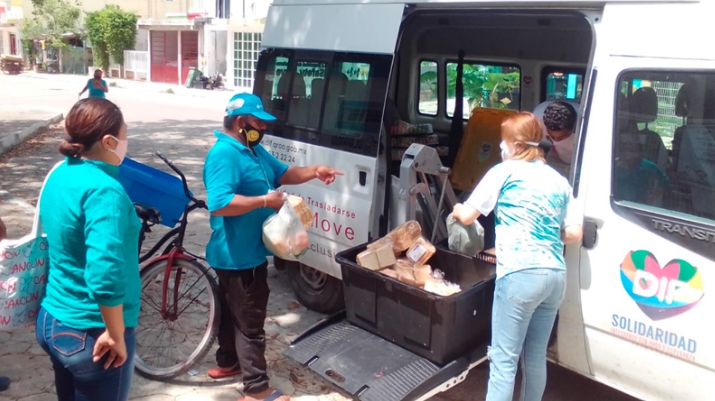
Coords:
pixel 643 107
pixel 317 89
pixel 479 150
pixel 299 107
pixel 317 85
pixel 335 97
pixel 623 121
pixel 355 90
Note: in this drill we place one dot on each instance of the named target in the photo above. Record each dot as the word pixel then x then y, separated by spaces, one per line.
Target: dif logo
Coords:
pixel 661 291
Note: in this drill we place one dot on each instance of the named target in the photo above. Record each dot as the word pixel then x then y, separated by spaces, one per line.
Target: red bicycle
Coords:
pixel 180 308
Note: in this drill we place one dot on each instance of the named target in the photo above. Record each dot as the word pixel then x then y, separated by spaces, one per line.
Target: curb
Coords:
pixel 10 141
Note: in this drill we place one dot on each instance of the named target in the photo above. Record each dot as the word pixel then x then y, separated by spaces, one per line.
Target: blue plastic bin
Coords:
pixel 154 188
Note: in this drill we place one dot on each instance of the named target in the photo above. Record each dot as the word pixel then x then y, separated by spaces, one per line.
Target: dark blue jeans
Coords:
pixel 77 377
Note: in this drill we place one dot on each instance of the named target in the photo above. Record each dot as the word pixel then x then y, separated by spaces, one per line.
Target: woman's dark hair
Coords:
pixel 88 121
pixel 560 116
pixel 98 71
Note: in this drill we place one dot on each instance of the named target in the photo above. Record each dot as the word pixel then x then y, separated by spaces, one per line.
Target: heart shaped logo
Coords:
pixel 661 292
pixel 528 80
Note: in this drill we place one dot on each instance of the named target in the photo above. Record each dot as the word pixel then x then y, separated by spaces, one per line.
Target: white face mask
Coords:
pixel 121 150
pixel 564 148
pixel 505 151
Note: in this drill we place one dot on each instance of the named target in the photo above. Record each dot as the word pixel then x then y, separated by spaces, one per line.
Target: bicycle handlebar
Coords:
pixel 181 175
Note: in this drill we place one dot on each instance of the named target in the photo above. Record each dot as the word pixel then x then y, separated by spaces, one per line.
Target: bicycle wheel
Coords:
pixel 172 339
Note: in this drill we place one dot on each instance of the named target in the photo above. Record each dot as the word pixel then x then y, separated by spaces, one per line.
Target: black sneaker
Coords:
pixel 4 383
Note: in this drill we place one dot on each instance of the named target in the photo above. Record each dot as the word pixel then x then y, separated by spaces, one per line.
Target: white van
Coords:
pixel 337 73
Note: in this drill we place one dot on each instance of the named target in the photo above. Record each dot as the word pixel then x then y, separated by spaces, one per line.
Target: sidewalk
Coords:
pixel 137 86
pixel 18 124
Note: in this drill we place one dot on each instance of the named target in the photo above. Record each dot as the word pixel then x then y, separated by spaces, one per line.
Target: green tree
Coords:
pixel 52 21
pixel 484 88
pixel 111 30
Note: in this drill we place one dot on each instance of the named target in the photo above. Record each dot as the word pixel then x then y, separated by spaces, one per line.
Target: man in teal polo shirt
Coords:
pixel 241 179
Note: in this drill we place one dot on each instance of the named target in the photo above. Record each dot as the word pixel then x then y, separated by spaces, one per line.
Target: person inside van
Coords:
pixel 637 179
pixel 241 179
pixel 560 120
pixel 535 217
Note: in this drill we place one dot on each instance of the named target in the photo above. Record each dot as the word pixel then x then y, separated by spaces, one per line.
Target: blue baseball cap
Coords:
pixel 243 104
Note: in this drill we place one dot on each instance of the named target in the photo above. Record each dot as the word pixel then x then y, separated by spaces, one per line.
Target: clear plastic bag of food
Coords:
pixel 284 234
pixel 436 284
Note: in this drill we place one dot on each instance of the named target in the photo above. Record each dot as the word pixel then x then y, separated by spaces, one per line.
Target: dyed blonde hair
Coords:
pixel 526 131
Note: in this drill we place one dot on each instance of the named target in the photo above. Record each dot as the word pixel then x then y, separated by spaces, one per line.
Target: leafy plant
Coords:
pixel 52 21
pixel 483 88
pixel 111 30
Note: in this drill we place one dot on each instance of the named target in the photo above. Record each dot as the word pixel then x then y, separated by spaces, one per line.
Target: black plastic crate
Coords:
pixel 440 329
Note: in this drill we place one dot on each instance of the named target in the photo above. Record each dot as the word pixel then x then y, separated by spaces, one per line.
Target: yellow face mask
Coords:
pixel 253 135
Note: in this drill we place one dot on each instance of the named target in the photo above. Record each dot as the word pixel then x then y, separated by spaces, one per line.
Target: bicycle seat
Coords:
pixel 147 213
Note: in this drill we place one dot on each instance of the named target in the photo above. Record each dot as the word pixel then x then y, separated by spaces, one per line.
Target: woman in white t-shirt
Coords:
pixel 535 217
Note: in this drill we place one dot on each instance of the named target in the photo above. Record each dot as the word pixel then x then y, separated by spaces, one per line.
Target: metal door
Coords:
pixel 165 57
pixel 189 53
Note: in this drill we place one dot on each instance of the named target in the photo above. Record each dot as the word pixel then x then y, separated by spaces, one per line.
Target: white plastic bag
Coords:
pixel 24 264
pixel 284 234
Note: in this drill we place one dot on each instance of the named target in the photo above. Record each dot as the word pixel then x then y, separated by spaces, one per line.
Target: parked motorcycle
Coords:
pixel 216 82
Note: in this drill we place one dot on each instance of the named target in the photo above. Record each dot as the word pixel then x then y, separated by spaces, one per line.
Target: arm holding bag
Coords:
pixel 284 234
pixel 467 240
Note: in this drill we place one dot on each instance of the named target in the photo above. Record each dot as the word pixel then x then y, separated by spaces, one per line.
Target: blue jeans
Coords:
pixel 525 306
pixel 77 377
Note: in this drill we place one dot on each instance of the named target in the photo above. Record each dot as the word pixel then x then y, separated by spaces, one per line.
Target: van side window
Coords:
pixel 664 142
pixel 323 98
pixel 428 103
pixel 354 102
pixel 274 86
pixel 306 94
pixel 492 86
pixel 562 84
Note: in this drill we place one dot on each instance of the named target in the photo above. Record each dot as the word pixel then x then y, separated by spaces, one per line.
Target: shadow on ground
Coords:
pixel 186 144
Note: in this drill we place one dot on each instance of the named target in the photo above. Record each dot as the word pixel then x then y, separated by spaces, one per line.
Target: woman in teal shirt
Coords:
pixel 87 320
pixel 97 86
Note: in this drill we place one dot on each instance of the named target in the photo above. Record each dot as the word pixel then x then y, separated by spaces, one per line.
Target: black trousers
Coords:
pixel 242 338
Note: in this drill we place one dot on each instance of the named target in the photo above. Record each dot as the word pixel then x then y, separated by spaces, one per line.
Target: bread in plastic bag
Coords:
pixel 284 234
pixel 467 240
pixel 436 284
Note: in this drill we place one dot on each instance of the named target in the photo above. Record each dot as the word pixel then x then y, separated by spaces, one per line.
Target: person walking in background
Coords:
pixel 241 179
pixel 97 86
pixel 87 319
pixel 535 217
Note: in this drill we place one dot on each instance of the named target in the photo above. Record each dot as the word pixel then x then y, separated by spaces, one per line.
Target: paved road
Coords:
pixel 180 126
